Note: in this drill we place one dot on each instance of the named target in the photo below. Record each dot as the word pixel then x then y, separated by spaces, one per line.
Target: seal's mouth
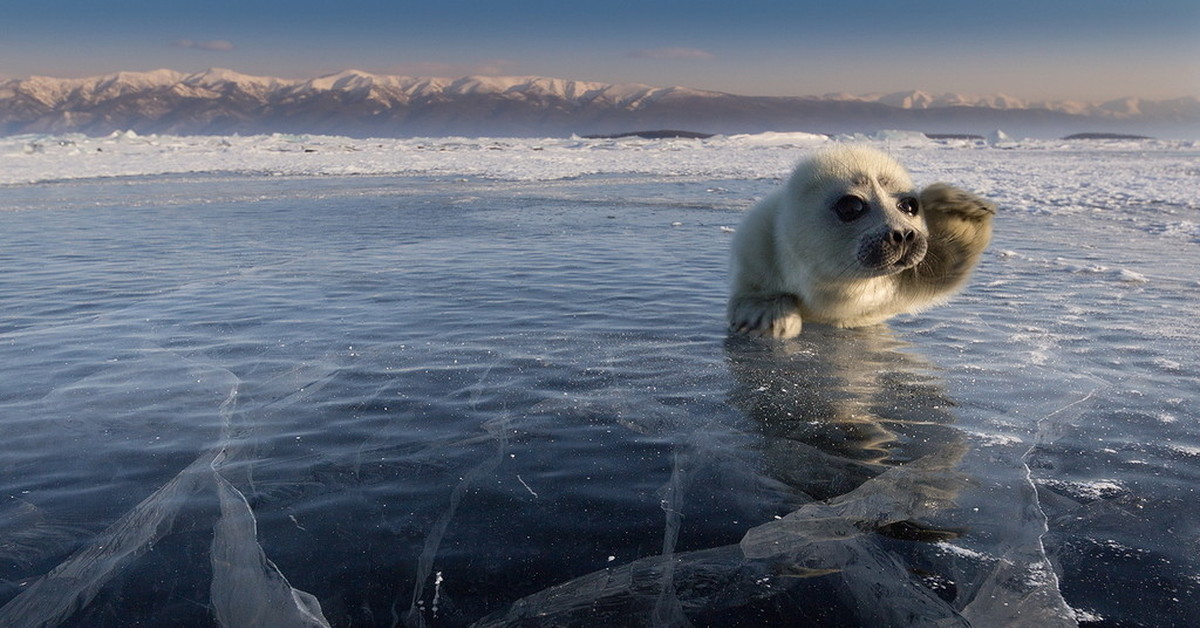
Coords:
pixel 892 252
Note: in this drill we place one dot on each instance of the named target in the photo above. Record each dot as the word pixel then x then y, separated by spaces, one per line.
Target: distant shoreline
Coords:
pixel 1106 136
pixel 652 135
pixel 676 134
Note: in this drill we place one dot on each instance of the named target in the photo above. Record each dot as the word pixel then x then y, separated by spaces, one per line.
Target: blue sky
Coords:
pixel 1032 49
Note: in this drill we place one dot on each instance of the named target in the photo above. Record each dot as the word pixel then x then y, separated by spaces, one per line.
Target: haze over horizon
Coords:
pixel 1082 51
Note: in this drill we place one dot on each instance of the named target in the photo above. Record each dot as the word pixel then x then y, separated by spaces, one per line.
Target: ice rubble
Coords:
pixel 33 158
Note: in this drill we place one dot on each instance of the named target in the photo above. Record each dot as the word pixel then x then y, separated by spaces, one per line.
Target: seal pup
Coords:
pixel 848 241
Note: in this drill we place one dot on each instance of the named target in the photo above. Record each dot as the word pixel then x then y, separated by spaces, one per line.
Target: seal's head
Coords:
pixel 856 208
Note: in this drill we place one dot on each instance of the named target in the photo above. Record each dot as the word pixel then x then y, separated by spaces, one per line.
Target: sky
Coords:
pixel 1032 49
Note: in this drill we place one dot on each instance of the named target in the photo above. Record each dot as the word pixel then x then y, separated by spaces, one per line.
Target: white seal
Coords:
pixel 848 241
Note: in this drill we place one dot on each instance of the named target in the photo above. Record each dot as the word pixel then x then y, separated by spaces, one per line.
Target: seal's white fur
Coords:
pixel 794 259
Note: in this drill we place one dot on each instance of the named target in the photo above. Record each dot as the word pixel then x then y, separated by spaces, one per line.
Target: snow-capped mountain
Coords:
pixel 360 103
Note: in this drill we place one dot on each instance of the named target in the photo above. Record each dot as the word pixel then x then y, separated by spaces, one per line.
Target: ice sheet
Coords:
pixel 490 384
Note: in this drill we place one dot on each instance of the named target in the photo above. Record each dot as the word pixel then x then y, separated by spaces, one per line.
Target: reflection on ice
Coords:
pixel 860 428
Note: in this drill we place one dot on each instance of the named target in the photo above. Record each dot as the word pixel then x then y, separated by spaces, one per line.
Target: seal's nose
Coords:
pixel 901 236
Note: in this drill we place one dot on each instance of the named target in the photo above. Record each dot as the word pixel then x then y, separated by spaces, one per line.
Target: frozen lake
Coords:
pixel 321 381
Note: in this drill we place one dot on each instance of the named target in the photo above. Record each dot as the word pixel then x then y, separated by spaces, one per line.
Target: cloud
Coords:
pixel 218 45
pixel 685 54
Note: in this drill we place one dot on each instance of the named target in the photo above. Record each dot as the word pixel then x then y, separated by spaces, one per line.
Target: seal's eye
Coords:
pixel 850 208
pixel 909 205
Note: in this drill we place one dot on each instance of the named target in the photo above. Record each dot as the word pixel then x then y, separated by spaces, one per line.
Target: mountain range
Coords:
pixel 356 103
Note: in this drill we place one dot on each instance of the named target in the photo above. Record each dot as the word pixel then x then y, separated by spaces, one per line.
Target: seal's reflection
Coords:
pixel 860 430
pixel 838 407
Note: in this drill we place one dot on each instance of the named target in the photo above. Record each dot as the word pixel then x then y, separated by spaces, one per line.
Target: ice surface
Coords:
pixel 322 381
pixel 247 589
